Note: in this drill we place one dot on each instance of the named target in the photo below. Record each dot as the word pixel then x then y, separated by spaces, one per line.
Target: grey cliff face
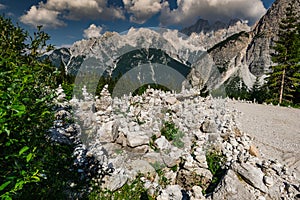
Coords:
pixel 247 55
pixel 229 49
pixel 264 34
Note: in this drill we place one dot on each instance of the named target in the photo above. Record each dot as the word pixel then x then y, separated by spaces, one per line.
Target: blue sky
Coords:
pixel 67 21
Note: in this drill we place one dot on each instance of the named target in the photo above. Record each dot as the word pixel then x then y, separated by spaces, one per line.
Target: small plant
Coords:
pixel 137 120
pixel 174 168
pixel 118 151
pixel 215 160
pixel 177 140
pixel 172 133
pixel 134 190
pixel 151 143
pixel 163 181
pixel 157 166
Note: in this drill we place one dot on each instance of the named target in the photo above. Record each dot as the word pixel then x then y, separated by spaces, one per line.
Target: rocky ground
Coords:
pixel 177 142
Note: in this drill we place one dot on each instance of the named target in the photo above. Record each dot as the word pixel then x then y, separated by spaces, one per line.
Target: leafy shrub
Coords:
pixel 172 133
pixel 31 166
pixel 134 190
pixel 215 160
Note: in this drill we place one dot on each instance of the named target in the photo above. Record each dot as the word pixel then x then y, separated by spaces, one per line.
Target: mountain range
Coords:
pixel 207 55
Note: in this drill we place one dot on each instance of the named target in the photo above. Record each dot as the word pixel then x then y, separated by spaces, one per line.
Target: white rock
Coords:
pixel 233 142
pixel 153 157
pixel 268 180
pixel 135 139
pixel 173 158
pixel 105 132
pixel 171 176
pixel 114 182
pixel 201 161
pixel 261 198
pixel 231 188
pixel 162 143
pixel 228 147
pixel 209 126
pixel 197 193
pixel 203 172
pixel 189 162
pixel 172 192
pixel 252 175
pixel 139 166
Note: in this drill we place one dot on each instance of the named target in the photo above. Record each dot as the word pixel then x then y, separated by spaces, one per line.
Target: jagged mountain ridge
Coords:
pixel 205 27
pixel 110 47
pixel 235 53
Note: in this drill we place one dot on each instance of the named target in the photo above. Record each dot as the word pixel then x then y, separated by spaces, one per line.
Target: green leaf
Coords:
pixel 4 185
pixel 7 131
pixel 23 150
pixel 20 109
pixel 29 157
pixel 19 184
pixel 36 178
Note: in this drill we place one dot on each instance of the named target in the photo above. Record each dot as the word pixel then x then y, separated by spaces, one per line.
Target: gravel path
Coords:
pixel 276 131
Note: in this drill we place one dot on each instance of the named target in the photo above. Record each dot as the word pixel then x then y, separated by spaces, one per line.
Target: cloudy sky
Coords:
pixel 69 20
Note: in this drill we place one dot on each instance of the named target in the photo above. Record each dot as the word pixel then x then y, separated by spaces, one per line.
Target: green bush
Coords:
pixel 134 190
pixel 215 160
pixel 172 133
pixel 31 166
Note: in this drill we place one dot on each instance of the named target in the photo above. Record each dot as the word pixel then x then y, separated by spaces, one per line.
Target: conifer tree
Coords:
pixel 284 78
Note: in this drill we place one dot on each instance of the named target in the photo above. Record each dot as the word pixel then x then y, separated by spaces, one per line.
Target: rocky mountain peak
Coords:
pixel 206 27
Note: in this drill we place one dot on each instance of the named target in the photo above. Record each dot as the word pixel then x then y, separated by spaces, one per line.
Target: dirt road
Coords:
pixel 276 131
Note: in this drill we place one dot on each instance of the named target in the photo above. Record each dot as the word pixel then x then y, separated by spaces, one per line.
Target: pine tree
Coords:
pixel 296 74
pixel 284 78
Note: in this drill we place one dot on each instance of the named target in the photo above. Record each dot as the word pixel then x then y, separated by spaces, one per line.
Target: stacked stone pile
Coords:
pixel 125 134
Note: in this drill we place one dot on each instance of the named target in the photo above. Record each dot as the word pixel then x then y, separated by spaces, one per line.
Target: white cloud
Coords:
pixel 142 10
pixel 92 31
pixel 83 9
pixel 42 16
pixel 70 9
pixel 53 13
pixel 2 6
pixel 190 10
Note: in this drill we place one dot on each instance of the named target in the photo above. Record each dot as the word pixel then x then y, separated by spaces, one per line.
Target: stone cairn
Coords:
pixel 125 138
